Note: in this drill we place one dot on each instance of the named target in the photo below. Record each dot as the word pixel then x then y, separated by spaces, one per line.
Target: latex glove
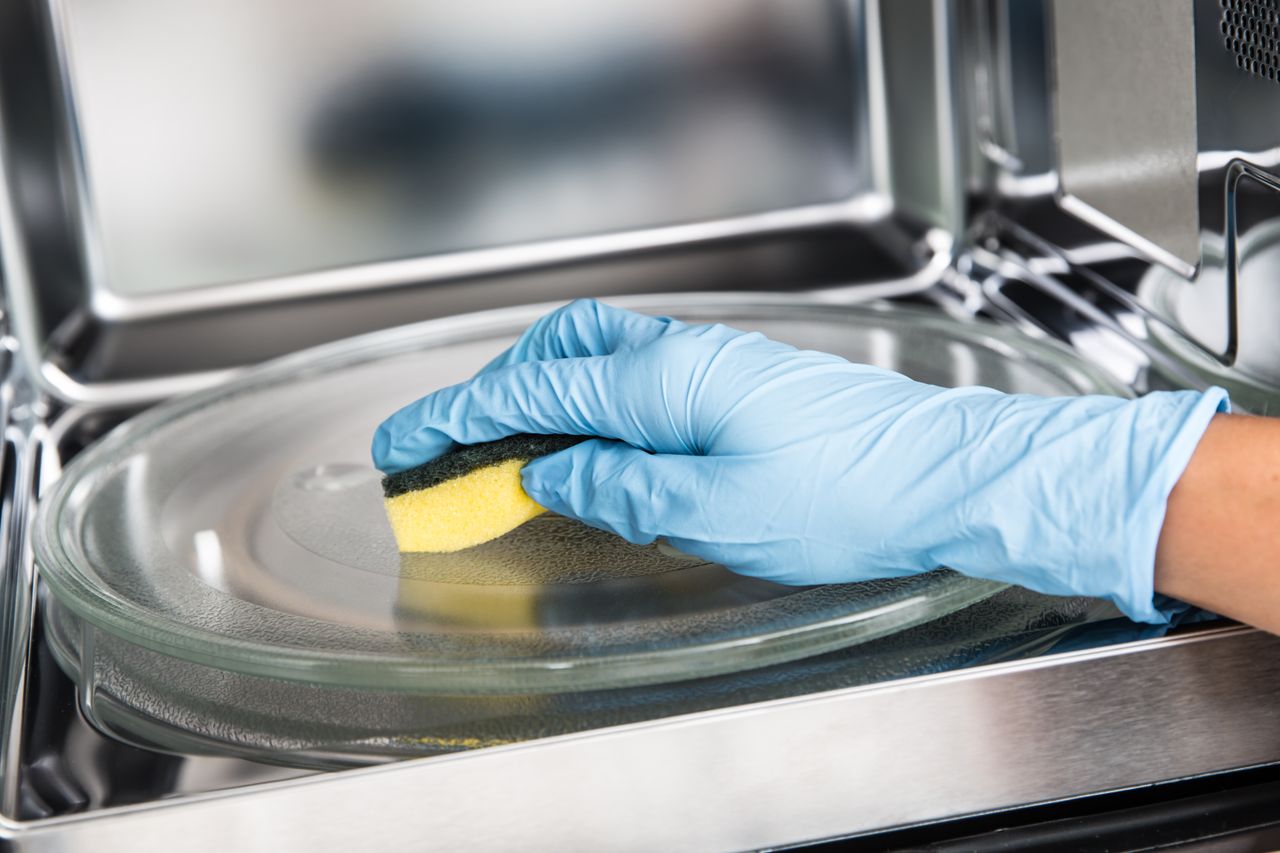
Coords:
pixel 802 468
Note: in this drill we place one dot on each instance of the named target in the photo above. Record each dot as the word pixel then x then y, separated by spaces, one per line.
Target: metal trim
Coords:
pixel 1237 171
pixel 877 104
pixel 776 773
pixel 74 155
pixel 947 112
pixel 18 596
pixel 1092 216
pixel 1073 204
pixel 107 305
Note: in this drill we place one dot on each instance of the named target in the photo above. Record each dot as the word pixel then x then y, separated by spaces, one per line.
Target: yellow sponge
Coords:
pixel 468 496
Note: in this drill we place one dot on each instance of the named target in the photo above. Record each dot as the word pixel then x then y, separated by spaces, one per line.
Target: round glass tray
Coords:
pixel 242 528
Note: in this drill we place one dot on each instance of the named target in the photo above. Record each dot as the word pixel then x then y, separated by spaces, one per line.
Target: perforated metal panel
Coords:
pixel 1126 125
pixel 1251 30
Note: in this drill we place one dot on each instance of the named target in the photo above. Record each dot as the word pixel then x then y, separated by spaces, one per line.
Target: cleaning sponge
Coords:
pixel 468 496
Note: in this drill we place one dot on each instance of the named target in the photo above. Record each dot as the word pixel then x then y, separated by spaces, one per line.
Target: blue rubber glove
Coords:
pixel 802 468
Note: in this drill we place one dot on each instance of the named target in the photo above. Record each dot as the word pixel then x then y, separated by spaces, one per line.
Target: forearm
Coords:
pixel 1220 544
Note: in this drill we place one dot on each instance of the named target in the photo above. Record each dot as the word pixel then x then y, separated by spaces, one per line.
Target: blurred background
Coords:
pixel 202 186
pixel 393 129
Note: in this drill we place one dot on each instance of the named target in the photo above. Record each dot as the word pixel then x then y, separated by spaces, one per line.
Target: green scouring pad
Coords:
pixel 468 496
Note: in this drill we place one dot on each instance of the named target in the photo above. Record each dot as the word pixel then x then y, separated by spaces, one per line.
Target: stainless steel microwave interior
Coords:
pixel 188 189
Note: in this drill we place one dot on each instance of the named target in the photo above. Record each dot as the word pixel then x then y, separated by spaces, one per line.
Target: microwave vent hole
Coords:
pixel 1251 31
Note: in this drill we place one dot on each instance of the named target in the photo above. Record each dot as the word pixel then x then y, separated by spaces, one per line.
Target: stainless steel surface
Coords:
pixel 914 44
pixel 24 320
pixel 1125 102
pixel 1005 71
pixel 20 476
pixel 790 125
pixel 23 453
pixel 1219 305
pixel 1123 106
pixel 781 772
pixel 861 211
pixel 784 772
pixel 319 139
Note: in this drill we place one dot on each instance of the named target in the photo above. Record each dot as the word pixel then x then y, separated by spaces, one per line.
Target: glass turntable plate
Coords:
pixel 242 528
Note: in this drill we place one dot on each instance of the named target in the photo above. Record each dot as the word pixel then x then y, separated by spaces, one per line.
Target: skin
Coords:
pixel 1219 547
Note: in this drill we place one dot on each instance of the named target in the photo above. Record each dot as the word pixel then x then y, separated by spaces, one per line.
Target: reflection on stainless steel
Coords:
pixel 920 94
pixel 397 129
pixel 793 770
pixel 851 259
pixel 821 131
pixel 1201 309
pixel 1004 54
pixel 1126 122
pixel 1147 52
pixel 861 211
pixel 19 478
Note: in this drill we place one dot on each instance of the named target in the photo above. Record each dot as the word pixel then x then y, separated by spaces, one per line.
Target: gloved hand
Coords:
pixel 802 468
